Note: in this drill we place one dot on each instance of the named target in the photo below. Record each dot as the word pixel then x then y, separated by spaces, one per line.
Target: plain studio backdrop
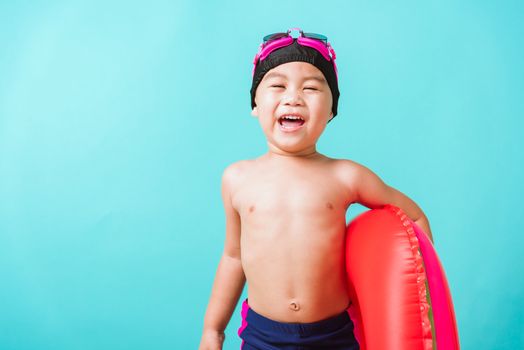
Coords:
pixel 117 120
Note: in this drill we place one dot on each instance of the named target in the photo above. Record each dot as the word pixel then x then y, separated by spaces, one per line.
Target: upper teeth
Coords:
pixel 291 117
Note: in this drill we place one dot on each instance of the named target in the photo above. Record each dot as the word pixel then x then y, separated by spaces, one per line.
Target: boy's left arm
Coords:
pixel 372 192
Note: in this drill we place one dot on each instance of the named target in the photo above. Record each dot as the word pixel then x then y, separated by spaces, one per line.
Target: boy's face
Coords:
pixel 296 89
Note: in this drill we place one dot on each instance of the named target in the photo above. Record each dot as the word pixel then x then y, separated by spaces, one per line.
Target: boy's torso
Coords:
pixel 292 214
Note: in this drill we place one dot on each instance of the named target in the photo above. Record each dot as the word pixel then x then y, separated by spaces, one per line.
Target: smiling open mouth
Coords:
pixel 291 121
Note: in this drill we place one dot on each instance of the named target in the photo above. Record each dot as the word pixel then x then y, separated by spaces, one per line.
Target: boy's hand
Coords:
pixel 212 340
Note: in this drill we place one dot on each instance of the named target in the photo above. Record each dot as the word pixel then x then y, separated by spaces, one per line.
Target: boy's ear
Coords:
pixel 254 112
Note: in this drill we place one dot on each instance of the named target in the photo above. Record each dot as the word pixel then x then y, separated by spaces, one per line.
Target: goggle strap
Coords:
pixel 331 51
pixel 316 45
pixel 273 45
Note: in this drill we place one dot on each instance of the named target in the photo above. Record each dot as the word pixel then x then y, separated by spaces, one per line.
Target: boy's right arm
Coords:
pixel 230 278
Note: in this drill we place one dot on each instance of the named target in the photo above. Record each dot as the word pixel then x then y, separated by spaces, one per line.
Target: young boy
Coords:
pixel 285 210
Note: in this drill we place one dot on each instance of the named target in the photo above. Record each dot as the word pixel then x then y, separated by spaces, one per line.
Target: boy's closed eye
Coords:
pixel 305 88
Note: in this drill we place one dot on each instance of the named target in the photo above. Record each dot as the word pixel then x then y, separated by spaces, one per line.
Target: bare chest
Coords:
pixel 292 197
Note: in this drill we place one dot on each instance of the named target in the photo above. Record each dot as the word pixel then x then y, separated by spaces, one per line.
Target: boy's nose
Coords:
pixel 292 97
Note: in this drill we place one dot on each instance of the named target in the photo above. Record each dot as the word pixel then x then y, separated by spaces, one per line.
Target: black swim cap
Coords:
pixel 297 52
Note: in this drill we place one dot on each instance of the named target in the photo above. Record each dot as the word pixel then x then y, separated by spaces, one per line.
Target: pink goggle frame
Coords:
pixel 276 41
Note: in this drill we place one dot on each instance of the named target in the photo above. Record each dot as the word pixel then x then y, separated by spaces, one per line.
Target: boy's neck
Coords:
pixel 305 154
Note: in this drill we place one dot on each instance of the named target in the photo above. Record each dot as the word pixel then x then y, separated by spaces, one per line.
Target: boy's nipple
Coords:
pixel 294 306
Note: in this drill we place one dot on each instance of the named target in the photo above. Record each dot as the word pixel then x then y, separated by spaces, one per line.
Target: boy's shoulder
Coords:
pixel 346 167
pixel 235 171
pixel 355 176
pixel 345 163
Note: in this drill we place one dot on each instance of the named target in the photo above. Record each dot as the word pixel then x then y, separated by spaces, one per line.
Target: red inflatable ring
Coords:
pixel 399 292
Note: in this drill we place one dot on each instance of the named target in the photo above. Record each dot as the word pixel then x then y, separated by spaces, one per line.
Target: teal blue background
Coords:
pixel 117 120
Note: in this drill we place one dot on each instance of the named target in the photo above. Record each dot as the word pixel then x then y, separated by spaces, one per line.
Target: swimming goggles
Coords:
pixel 275 41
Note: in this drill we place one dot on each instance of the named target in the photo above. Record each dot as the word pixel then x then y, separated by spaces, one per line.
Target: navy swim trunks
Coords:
pixel 261 333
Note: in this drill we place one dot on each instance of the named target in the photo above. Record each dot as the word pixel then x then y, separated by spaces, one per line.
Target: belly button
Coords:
pixel 294 306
